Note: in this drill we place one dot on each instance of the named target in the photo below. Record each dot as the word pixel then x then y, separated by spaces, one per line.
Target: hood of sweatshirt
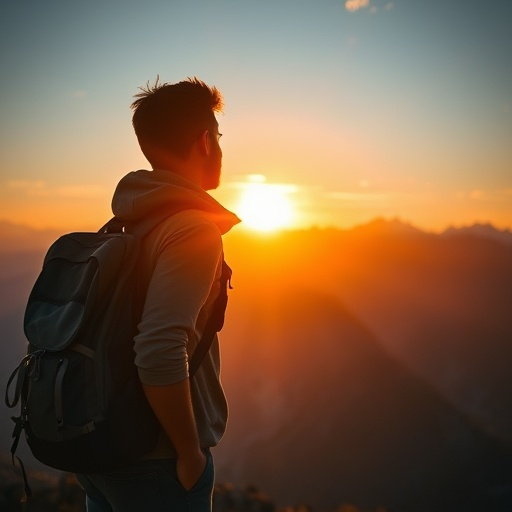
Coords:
pixel 142 194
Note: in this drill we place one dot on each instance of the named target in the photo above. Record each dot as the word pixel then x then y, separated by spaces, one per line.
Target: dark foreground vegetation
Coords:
pixel 62 493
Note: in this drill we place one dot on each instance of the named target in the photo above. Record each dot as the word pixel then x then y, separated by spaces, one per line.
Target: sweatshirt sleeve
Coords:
pixel 185 260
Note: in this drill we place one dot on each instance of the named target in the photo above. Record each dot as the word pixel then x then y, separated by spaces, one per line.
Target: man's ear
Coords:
pixel 204 143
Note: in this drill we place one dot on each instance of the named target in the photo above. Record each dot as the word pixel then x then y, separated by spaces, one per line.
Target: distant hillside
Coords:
pixel 440 304
pixel 367 366
pixel 326 416
pixel 20 238
pixel 330 411
pixel 17 238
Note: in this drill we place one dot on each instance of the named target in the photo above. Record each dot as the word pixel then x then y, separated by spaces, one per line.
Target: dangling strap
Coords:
pixel 19 372
pixel 19 423
pixel 18 427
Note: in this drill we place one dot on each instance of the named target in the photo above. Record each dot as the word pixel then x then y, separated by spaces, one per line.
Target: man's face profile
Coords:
pixel 211 176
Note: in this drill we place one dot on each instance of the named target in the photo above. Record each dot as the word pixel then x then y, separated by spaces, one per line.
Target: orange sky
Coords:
pixel 265 204
pixel 346 111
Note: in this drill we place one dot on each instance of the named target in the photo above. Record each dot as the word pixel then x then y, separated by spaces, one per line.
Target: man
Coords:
pixel 182 257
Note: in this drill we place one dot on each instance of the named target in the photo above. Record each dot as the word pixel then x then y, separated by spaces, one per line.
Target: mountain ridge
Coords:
pixel 21 237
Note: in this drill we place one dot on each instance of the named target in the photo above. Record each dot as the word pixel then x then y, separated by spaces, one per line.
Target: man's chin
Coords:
pixel 212 186
pixel 211 183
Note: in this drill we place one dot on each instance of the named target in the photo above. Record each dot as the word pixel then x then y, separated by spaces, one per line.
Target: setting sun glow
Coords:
pixel 265 207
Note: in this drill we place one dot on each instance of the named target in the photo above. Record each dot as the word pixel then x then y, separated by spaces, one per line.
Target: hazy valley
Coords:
pixel 367 366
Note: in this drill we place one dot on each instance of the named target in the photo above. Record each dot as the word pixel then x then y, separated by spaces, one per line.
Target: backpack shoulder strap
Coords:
pixel 215 321
pixel 140 228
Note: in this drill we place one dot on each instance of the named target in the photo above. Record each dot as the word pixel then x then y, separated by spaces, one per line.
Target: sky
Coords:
pixel 343 111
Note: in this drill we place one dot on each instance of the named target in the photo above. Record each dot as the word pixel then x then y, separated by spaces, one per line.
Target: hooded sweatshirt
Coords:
pixel 181 259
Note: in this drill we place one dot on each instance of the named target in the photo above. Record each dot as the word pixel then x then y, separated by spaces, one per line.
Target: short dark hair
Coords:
pixel 172 116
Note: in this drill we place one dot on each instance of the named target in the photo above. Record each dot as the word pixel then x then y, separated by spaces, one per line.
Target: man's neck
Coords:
pixel 183 172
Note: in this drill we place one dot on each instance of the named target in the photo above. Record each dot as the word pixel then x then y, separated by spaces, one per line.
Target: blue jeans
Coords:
pixel 147 486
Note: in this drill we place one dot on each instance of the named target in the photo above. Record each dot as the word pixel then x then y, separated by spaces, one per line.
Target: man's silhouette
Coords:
pixel 182 257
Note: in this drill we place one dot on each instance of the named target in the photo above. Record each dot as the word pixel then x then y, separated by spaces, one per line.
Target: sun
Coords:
pixel 265 207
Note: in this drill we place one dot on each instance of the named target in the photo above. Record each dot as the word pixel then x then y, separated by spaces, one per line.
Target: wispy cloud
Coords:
pixel 26 186
pixel 254 180
pixel 78 93
pixel 494 196
pixel 358 196
pixel 38 188
pixel 477 194
pixel 81 191
pixel 355 5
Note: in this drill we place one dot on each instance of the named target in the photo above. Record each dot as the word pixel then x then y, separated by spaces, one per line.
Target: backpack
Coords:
pixel 83 408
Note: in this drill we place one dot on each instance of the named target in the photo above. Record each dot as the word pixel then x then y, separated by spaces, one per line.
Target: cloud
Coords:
pixel 355 5
pixel 26 186
pixel 80 191
pixel 358 196
pixel 246 181
pixel 477 194
pixel 38 188
pixel 78 93
pixel 352 41
pixel 256 178
pixel 491 196
pixel 474 195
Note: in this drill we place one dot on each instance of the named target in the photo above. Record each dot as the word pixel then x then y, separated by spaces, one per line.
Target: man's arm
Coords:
pixel 187 258
pixel 172 405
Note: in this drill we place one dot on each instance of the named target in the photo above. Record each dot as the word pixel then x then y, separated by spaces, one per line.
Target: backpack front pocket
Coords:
pixel 61 397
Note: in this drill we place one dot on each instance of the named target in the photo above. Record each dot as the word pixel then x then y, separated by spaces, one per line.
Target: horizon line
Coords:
pixel 312 227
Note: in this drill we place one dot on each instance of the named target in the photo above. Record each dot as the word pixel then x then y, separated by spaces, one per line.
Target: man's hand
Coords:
pixel 173 408
pixel 190 469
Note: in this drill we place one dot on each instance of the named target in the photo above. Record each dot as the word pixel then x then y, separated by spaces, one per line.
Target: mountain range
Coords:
pixel 366 366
